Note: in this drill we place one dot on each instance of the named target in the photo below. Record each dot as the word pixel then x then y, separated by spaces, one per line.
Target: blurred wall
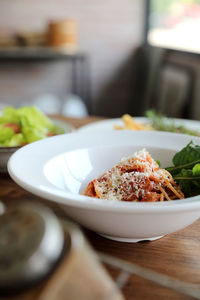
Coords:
pixel 109 31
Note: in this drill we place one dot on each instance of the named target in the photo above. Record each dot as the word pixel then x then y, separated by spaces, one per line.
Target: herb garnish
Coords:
pixel 161 123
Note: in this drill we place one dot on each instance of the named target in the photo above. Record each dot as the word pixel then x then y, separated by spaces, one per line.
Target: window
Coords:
pixel 174 24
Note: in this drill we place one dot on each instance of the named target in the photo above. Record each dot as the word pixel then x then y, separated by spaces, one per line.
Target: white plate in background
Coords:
pixel 109 124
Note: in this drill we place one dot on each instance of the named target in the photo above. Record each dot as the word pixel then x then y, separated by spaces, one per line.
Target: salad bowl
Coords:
pixel 11 139
pixel 6 152
pixel 62 173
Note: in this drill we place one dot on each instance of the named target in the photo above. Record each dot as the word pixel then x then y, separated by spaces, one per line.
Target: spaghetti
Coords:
pixel 136 178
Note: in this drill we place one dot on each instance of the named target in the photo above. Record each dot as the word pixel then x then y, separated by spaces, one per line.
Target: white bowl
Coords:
pixel 60 167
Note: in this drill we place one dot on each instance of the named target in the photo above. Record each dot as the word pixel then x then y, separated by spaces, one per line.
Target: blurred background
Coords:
pixel 101 58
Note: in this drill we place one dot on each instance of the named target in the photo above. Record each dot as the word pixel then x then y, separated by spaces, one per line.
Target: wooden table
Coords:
pixel 176 255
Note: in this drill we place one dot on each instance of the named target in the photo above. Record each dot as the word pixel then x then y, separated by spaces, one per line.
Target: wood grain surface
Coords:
pixel 176 255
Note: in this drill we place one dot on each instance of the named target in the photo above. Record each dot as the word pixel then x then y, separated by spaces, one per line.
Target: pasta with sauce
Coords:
pixel 136 178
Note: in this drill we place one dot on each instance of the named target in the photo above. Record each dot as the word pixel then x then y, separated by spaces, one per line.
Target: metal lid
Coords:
pixel 31 242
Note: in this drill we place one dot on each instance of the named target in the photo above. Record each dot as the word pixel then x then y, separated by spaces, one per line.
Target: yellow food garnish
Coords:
pixel 131 124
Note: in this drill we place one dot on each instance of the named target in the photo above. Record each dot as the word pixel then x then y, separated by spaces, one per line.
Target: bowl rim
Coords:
pixel 51 192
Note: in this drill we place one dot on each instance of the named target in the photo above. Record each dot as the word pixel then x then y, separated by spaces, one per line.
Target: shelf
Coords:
pixel 39 53
pixel 78 60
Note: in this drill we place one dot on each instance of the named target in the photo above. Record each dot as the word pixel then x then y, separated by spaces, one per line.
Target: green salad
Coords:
pixel 25 125
pixel 186 169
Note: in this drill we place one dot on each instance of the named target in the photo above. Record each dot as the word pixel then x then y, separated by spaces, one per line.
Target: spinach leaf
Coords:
pixel 188 154
pixel 175 170
pixel 196 170
pixel 189 181
pixel 186 169
pixel 158 162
